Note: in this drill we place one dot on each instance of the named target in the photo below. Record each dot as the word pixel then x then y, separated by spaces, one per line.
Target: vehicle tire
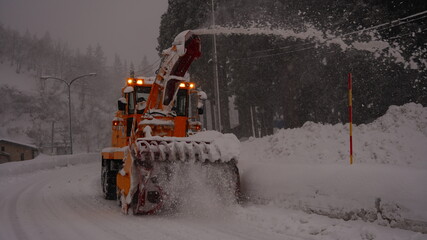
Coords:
pixel 109 184
pixel 238 191
pixel 118 197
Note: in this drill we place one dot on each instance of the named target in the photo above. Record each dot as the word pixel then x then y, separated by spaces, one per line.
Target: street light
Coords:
pixel 69 98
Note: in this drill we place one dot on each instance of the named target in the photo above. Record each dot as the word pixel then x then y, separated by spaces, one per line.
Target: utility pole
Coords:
pixel 217 101
pixel 252 122
pixel 53 130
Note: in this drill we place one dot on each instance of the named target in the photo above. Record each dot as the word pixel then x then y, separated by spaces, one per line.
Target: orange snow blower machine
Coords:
pixel 158 149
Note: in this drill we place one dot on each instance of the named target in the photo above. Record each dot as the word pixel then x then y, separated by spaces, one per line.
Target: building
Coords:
pixel 11 151
pixel 4 157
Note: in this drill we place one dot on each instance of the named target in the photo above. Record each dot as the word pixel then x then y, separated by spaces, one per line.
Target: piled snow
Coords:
pixel 308 168
pixel 227 144
pixel 398 138
pixel 43 162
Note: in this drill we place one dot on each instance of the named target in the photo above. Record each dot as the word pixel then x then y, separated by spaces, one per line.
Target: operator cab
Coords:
pixel 136 94
pixel 142 93
pixel 137 91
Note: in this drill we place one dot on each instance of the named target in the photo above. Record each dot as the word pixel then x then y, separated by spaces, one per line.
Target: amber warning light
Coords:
pixel 188 85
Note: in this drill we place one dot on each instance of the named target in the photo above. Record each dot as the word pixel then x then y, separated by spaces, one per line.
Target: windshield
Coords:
pixel 142 93
pixel 180 106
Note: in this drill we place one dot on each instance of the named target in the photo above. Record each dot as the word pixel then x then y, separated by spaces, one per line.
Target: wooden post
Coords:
pixel 350 115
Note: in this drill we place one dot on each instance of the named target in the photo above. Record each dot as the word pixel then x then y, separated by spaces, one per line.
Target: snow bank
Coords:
pixel 308 168
pixel 227 144
pixel 399 138
pixel 43 162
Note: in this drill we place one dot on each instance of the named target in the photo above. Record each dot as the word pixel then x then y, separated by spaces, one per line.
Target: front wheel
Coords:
pixel 108 181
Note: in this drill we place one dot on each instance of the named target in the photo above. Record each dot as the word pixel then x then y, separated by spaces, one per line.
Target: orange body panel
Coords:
pixel 118 136
pixel 154 100
pixel 123 183
pixel 113 155
pixel 180 129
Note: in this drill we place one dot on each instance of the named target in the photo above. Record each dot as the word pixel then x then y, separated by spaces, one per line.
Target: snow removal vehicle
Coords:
pixel 158 150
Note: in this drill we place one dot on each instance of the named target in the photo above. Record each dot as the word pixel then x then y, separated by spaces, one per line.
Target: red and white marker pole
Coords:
pixel 350 116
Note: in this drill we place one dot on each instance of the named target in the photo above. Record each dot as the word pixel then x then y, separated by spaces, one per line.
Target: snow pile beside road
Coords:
pixel 227 145
pixel 308 168
pixel 43 162
pixel 398 138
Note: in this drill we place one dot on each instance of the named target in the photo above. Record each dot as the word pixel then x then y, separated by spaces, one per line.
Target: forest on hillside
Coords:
pixel 287 81
pixel 42 114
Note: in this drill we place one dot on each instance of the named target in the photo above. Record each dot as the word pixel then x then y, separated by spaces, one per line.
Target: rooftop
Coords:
pixel 18 143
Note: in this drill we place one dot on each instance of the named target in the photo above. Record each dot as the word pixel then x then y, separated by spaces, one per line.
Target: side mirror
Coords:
pixel 200 111
pixel 202 97
pixel 121 104
pixel 140 106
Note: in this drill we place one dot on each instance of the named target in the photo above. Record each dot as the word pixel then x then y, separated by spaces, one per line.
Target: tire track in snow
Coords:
pixel 66 203
pixel 12 220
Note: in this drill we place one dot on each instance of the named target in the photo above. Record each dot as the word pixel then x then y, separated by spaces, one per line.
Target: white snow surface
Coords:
pixel 291 179
pixel 308 168
pixel 179 42
pixel 128 89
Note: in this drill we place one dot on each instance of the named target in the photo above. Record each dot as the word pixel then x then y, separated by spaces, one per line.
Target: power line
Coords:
pixel 422 14
pixel 284 47
pixel 359 31
pixel 149 67
pixel 389 23
pixel 274 54
pixel 403 35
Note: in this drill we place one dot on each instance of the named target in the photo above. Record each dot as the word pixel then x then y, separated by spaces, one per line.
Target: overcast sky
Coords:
pixel 127 27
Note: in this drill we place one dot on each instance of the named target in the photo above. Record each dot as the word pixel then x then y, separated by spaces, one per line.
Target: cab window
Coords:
pixel 131 102
pixel 181 103
pixel 142 93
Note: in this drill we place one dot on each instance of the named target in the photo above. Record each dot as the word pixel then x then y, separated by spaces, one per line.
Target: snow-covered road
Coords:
pixel 66 203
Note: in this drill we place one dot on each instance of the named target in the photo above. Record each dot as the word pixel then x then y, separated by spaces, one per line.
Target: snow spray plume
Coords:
pixel 376 46
pixel 200 189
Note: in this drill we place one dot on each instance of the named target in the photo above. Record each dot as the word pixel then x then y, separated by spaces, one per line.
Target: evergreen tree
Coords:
pixel 300 81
